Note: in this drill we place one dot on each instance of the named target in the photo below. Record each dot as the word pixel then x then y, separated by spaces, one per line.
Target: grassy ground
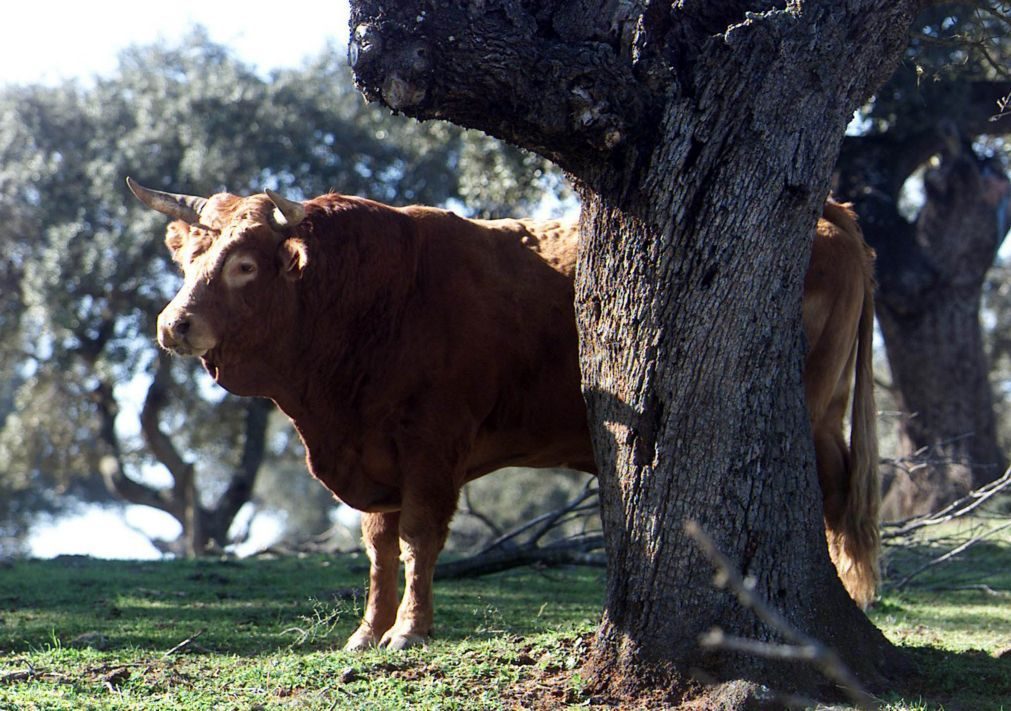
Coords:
pixel 77 633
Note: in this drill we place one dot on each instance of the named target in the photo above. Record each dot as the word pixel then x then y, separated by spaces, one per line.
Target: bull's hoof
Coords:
pixel 360 641
pixel 393 640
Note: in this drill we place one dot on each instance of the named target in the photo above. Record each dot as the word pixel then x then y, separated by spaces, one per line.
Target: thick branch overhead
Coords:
pixel 558 87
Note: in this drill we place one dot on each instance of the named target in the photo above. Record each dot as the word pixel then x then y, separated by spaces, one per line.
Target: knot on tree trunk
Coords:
pixel 401 70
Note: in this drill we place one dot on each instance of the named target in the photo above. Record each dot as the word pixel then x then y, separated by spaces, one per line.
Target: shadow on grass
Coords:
pixel 985 563
pixel 241 607
pixel 942 614
pixel 256 607
pixel 970 680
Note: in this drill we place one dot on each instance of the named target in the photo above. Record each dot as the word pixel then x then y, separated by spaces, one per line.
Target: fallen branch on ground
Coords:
pixel 949 555
pixel 577 551
pixel 522 545
pixel 907 547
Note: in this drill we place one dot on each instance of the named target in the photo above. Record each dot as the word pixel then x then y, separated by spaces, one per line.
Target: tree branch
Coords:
pixel 161 444
pixel 968 503
pixel 949 555
pixel 579 551
pixel 584 502
pixel 505 552
pixel 113 470
pixel 586 99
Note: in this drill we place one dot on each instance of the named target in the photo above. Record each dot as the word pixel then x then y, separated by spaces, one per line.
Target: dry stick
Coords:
pixel 21 675
pixel 505 552
pixel 16 676
pixel 574 551
pixel 470 510
pixel 915 461
pixel 801 645
pixel 590 491
pixel 184 644
pixel 545 521
pixel 950 554
pixel 971 501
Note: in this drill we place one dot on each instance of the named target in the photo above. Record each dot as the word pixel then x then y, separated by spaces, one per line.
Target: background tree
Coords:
pixel 89 406
pixel 702 135
pixel 932 120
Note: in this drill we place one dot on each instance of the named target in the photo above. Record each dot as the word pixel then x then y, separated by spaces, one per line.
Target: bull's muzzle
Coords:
pixel 184 333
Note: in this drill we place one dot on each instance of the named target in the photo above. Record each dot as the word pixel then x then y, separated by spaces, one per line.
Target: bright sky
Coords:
pixel 49 42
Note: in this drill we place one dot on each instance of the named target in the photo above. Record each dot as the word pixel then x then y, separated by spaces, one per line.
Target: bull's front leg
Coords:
pixel 380 533
pixel 424 525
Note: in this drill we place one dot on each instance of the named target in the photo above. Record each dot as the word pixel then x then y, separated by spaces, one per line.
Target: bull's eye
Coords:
pixel 244 269
pixel 239 271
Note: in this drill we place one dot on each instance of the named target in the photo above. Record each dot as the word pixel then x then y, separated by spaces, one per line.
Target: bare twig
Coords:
pixel 980 587
pixel 970 502
pixel 16 676
pixel 575 551
pixel 470 510
pixel 588 493
pixel 186 643
pixel 522 545
pixel 1002 108
pixel 584 502
pixel 949 555
pixel 927 456
pixel 801 646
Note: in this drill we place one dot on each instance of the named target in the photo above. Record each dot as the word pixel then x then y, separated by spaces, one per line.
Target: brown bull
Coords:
pixel 415 350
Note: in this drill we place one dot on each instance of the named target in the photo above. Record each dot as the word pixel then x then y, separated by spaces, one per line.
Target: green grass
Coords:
pixel 954 619
pixel 77 633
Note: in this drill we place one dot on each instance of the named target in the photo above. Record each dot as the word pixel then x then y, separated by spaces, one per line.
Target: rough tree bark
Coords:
pixel 931 275
pixel 702 136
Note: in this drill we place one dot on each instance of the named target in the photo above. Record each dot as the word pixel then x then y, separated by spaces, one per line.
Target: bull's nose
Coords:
pixel 179 326
pixel 172 329
pixel 184 332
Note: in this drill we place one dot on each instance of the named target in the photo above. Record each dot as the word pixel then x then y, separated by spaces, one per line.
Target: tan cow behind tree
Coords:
pixel 415 350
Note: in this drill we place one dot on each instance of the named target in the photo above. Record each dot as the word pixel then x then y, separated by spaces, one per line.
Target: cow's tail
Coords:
pixel 856 553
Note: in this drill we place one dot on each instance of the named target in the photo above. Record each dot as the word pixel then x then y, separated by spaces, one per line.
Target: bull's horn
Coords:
pixel 288 213
pixel 181 207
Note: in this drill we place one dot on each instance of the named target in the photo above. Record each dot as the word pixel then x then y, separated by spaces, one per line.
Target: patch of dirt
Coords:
pixel 553 681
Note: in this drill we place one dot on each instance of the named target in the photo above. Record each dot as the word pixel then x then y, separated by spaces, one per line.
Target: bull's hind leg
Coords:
pixel 832 457
pixel 380 533
pixel 424 525
pixel 834 472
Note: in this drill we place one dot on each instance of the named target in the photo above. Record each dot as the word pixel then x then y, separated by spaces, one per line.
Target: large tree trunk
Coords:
pixel 931 276
pixel 702 136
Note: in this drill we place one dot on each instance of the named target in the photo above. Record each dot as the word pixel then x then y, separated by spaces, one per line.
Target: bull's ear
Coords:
pixel 294 256
pixel 175 239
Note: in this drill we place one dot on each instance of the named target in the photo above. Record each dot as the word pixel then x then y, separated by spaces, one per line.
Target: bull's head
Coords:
pixel 239 257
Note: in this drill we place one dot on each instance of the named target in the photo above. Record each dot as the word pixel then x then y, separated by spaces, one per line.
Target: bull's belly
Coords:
pixel 502 450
